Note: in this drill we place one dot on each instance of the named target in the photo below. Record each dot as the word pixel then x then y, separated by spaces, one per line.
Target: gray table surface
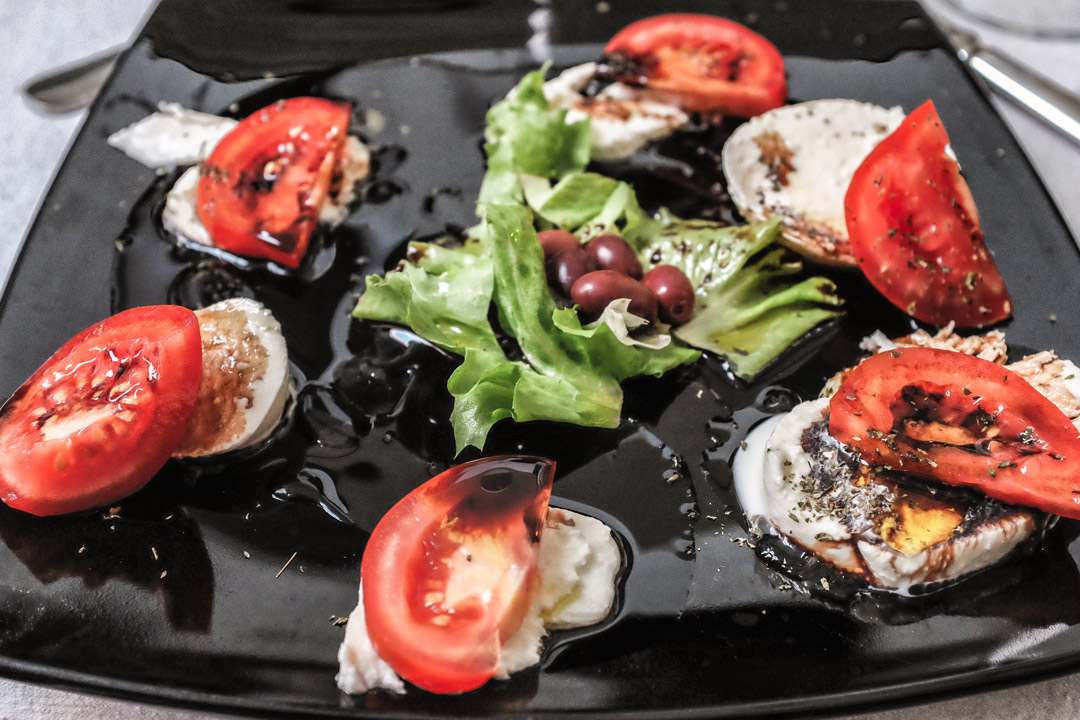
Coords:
pixel 35 36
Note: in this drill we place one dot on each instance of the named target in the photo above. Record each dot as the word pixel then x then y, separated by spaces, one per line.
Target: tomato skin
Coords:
pixel 708 63
pixel 473 528
pixel 915 231
pixel 964 421
pixel 261 189
pixel 102 415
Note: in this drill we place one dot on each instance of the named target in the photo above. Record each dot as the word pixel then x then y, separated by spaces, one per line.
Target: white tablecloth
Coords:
pixel 35 36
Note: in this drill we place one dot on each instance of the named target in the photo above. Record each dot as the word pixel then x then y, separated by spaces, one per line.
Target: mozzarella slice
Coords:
pixel 361 668
pixel 245 379
pixel 894 536
pixel 179 215
pixel 795 480
pixel 578 565
pixel 797 162
pixel 623 119
pixel 172 137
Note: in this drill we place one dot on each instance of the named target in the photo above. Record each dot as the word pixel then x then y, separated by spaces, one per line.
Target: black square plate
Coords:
pixel 177 596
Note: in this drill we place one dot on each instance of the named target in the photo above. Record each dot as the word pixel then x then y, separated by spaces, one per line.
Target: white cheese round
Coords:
pixel 816 500
pixel 623 119
pixel 245 379
pixel 797 161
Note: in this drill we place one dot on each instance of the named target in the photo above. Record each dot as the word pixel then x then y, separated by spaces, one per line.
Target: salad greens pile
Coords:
pixel 750 307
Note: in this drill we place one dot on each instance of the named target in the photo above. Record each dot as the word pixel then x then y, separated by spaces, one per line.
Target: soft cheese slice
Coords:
pixel 893 535
pixel 624 119
pixel 797 162
pixel 578 566
pixel 174 136
pixel 245 379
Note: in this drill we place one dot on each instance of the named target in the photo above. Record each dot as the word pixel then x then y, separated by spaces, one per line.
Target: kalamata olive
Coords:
pixel 566 266
pixel 611 252
pixel 555 241
pixel 595 290
pixel 673 291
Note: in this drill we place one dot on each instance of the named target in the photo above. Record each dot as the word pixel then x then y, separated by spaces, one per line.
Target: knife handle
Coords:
pixel 1054 104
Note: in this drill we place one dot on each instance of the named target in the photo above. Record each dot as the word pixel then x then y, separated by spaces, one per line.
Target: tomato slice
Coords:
pixel 262 187
pixel 708 63
pixel 915 231
pixel 450 571
pixel 962 420
pixel 102 415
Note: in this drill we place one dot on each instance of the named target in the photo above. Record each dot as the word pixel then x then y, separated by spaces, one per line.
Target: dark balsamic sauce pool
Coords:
pixel 368 423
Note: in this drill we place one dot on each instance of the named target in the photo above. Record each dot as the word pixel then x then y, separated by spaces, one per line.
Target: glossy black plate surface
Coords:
pixel 177 596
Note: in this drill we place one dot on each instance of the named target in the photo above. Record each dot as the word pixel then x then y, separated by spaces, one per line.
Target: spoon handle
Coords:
pixel 71 87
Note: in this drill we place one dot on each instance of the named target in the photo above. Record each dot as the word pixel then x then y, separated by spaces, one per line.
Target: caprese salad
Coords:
pixel 461 579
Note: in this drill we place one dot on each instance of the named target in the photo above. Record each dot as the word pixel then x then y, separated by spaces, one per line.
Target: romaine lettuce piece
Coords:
pixel 750 308
pixel 524 135
pixel 708 253
pixel 444 297
pixel 589 204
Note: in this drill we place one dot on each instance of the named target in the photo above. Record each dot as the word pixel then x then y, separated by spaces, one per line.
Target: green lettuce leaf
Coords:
pixel 750 307
pixel 589 204
pixel 569 373
pixel 524 135
pixel 444 297
pixel 753 316
pixel 708 253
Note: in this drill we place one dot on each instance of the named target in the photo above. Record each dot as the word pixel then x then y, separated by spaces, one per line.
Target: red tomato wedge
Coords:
pixel 961 420
pixel 262 187
pixel 915 231
pixel 706 63
pixel 450 571
pixel 102 415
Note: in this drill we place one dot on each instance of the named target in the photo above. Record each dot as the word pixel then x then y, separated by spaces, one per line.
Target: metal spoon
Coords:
pixel 70 87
